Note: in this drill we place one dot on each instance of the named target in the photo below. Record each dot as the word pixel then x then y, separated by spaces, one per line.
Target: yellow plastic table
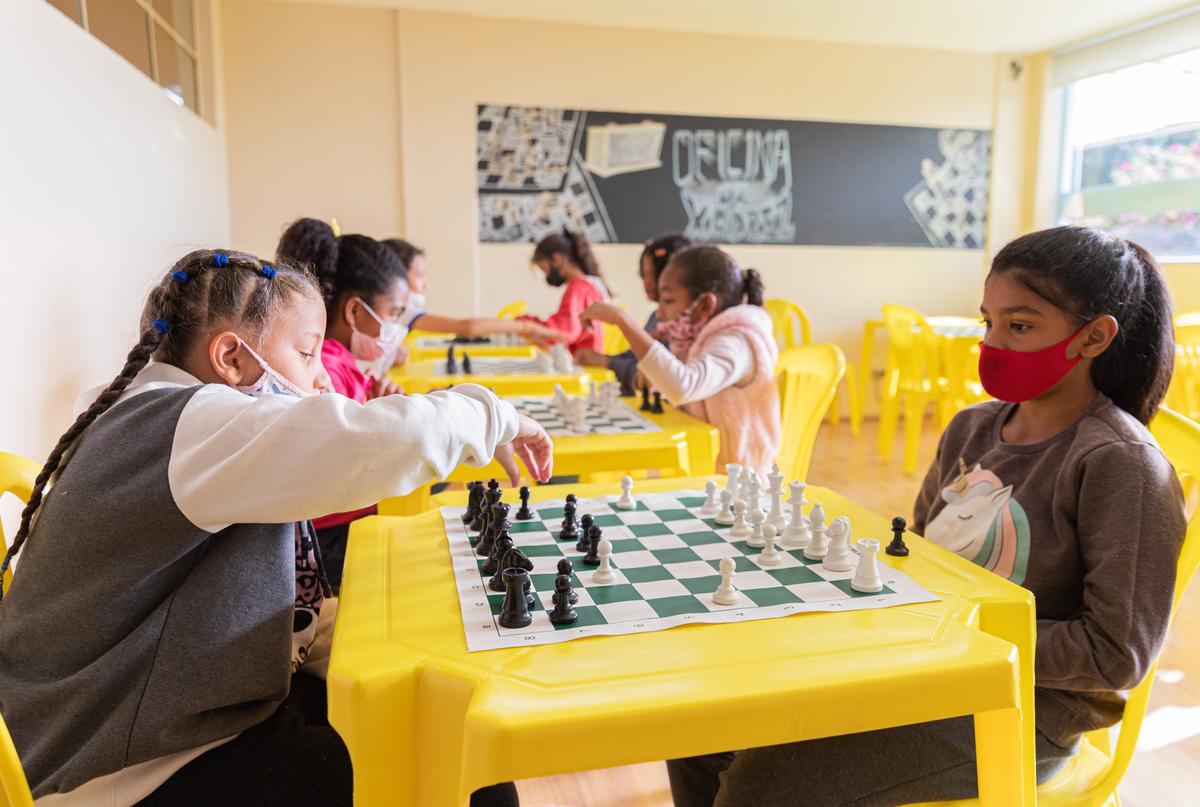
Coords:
pixel 424 375
pixel 686 445
pixel 430 345
pixel 427 723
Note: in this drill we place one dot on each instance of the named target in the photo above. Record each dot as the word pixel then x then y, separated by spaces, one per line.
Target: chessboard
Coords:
pixel 469 343
pixel 667 560
pixel 621 419
pixel 502 365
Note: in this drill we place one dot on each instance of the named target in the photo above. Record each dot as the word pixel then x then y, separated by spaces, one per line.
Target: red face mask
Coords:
pixel 1016 376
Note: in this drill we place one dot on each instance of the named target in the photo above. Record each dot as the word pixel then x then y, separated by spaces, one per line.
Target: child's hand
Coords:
pixel 533 446
pixel 590 358
pixel 384 386
pixel 401 356
pixel 542 336
pixel 601 312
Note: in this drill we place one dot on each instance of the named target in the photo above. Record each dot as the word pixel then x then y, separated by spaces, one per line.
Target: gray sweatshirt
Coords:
pixel 151 611
pixel 1091 521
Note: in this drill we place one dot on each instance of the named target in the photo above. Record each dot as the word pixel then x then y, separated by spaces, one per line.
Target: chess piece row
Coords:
pixel 557 360
pixel 452 367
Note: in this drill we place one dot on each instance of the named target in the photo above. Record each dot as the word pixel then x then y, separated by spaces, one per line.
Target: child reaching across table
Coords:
pixel 566 259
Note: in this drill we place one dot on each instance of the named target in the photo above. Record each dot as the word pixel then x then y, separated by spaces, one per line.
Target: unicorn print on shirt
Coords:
pixel 983 523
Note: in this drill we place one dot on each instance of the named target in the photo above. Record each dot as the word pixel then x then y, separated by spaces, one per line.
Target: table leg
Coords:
pixel 868 353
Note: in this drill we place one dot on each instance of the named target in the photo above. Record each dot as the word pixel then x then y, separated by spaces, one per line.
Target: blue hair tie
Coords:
pixel 161 325
pixel 268 272
pixel 220 259
pixel 179 277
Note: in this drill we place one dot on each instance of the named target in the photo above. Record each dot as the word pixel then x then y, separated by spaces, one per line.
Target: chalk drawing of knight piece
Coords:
pixel 950 202
pixel 983 523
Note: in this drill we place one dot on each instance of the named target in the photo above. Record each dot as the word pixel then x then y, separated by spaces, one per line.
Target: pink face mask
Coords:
pixel 681 332
pixel 271 382
pixel 373 348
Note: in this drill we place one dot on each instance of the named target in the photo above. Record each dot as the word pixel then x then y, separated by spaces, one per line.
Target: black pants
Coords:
pixel 333 542
pixel 292 757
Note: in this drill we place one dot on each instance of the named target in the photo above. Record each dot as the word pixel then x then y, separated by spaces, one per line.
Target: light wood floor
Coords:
pixel 1165 770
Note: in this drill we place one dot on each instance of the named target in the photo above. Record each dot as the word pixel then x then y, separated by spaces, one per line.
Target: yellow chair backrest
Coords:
pixel 17 475
pixel 614 341
pixel 1184 393
pixel 513 310
pixel 789 323
pixel 808 379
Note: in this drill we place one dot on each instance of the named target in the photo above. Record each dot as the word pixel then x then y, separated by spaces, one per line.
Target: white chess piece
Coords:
pixel 775 516
pixel 754 500
pixel 743 491
pixel 819 545
pixel 710 507
pixel 626 501
pixel 604 573
pixel 839 558
pixel 561 359
pixel 726 594
pixel 543 362
pixel 592 397
pixel 733 473
pixel 740 528
pixel 756 529
pixel 770 556
pixel 866 579
pixel 797 535
pixel 724 515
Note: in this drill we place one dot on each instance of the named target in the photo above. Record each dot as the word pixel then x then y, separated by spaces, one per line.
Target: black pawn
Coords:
pixel 565 567
pixel 451 364
pixel 466 363
pixel 657 408
pixel 570 524
pixel 585 526
pixel 592 558
pixel 514 612
pixel 897 547
pixel 500 546
pixel 524 514
pixel 645 407
pixel 563 613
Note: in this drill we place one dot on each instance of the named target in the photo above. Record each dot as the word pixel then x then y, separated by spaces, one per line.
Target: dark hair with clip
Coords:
pixel 404 250
pixel 345 266
pixel 1088 273
pixel 660 250
pixel 205 289
pixel 574 246
pixel 706 268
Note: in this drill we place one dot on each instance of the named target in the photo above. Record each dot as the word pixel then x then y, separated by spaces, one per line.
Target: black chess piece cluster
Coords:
pixel 897 547
pixel 452 362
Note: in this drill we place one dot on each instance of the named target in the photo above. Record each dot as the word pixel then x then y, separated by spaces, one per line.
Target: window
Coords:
pixel 157 37
pixel 1131 156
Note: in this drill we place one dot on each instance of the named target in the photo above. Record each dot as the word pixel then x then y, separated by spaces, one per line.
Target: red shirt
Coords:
pixel 579 294
pixel 350 381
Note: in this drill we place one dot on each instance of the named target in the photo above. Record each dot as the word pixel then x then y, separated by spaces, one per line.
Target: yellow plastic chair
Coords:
pixel 911 378
pixel 791 327
pixel 808 380
pixel 16 477
pixel 614 341
pixel 1092 776
pixel 1184 393
pixel 513 310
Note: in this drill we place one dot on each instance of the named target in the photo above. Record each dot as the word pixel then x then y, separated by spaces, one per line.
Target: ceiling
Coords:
pixel 970 25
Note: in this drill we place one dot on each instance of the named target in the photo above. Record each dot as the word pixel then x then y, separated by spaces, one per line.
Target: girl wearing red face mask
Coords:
pixel 566 259
pixel 1057 486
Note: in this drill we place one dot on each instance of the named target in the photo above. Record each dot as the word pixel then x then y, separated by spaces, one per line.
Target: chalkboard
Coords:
pixel 627 177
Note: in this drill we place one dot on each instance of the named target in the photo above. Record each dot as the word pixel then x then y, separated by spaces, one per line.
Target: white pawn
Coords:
pixel 775 517
pixel 710 507
pixel 732 473
pixel 592 397
pixel 756 529
pixel 724 515
pixel 866 579
pixel 626 501
pixel 740 528
pixel 839 558
pixel 820 543
pixel 604 574
pixel 797 534
pixel 770 556
pixel 726 594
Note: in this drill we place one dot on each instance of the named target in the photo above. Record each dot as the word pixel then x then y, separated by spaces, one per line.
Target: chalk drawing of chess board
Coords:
pixel 500 365
pixel 624 420
pixel 667 559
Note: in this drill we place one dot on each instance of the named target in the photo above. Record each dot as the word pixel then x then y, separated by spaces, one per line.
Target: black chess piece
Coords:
pixel 563 613
pixel 565 567
pixel 897 547
pixel 585 526
pixel 645 407
pixel 502 544
pixel 570 524
pixel 657 408
pixel 451 364
pixel 474 494
pixel 592 558
pixel 514 612
pixel 487 498
pixel 572 498
pixel 524 513
pixel 498 524
pixel 466 364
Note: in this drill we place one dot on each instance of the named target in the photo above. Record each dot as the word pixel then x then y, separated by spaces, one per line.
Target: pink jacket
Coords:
pixel 746 415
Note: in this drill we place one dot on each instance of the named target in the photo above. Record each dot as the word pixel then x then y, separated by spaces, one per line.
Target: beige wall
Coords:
pixel 105 183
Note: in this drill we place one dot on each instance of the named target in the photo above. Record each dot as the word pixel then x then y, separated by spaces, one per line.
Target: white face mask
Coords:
pixel 271 382
pixel 416 301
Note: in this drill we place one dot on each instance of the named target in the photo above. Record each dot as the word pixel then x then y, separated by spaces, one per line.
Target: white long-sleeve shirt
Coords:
pixel 728 361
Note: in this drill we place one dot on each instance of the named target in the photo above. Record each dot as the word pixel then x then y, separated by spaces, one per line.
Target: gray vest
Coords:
pixel 129 633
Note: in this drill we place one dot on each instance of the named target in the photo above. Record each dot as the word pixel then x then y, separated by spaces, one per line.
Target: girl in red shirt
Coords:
pixel 566 258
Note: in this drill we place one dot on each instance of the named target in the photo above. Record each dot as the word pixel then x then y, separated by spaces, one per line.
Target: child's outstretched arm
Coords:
pixel 478 326
pixel 237 459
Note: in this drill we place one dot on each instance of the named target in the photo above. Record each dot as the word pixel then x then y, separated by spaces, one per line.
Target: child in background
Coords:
pixel 567 257
pixel 653 260
pixel 720 365
pixel 1082 508
pixel 192 476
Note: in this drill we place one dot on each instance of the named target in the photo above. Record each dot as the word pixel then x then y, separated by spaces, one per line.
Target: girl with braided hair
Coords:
pixel 157 640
